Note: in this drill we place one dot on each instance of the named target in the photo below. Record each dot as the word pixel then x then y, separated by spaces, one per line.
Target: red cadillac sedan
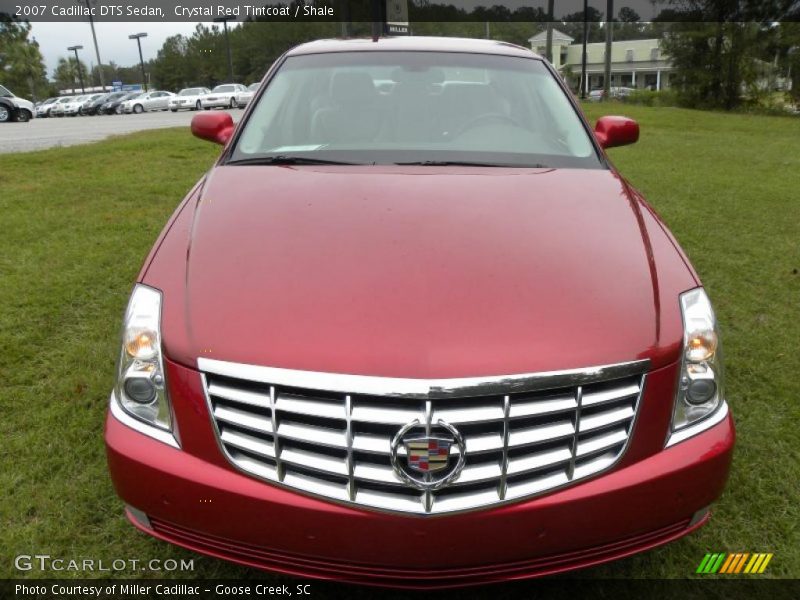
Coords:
pixel 414 329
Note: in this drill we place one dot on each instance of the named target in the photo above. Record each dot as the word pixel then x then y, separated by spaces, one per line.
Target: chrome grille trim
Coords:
pixel 524 434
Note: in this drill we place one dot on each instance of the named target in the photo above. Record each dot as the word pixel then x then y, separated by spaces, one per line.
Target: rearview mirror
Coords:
pixel 215 127
pixel 616 131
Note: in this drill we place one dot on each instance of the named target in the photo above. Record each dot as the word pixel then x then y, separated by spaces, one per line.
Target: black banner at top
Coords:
pixel 764 11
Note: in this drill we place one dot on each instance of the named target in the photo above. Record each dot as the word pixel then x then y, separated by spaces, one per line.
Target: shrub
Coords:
pixel 652 98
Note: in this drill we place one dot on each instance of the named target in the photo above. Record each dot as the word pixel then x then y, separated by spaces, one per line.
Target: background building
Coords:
pixel 634 63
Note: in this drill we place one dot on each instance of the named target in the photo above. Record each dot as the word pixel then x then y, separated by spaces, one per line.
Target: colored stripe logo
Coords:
pixel 734 563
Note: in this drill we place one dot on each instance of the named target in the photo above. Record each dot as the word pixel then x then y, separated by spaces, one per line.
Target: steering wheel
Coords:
pixel 486 117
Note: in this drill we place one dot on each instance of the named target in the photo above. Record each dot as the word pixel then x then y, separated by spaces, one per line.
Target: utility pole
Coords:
pixel 138 37
pixel 609 39
pixel 549 44
pixel 78 65
pixel 584 81
pixel 96 47
pixel 224 21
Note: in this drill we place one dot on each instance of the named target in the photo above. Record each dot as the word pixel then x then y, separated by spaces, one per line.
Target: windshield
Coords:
pixel 253 87
pixel 4 93
pixel 224 88
pixel 191 92
pixel 417 107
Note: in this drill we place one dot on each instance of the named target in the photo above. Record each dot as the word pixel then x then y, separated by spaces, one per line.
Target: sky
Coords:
pixel 112 38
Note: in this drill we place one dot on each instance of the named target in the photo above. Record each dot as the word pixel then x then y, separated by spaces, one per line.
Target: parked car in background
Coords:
pixel 89 101
pixel 91 107
pixel 616 93
pixel 222 96
pixel 422 339
pixel 127 103
pixel 58 106
pixel 73 107
pixel 148 101
pixel 243 98
pixel 188 99
pixel 14 108
pixel 43 108
pixel 110 104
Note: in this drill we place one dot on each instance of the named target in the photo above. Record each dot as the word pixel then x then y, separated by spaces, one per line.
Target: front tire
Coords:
pixel 197 105
pixel 5 114
pixel 232 103
pixel 138 109
pixel 174 109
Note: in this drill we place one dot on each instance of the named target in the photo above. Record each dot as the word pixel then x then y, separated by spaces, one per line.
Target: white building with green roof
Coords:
pixel 634 63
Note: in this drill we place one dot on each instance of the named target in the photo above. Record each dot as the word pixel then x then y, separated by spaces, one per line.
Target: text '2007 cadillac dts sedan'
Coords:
pixel 414 329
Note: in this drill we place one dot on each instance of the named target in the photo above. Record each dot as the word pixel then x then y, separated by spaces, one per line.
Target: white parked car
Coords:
pixel 43 108
pixel 243 98
pixel 147 102
pixel 188 98
pixel 58 106
pixel 222 96
pixel 73 107
pixel 14 108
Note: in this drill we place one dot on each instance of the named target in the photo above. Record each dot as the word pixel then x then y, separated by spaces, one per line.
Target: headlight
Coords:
pixel 700 387
pixel 141 387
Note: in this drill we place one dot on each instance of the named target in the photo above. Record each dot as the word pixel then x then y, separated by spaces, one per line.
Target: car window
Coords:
pixel 4 93
pixel 395 107
pixel 224 88
pixel 253 87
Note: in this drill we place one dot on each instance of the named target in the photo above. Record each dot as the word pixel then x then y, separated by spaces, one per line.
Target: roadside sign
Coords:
pixel 397 17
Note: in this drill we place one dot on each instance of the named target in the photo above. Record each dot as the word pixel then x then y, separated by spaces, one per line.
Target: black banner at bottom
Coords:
pixel 278 588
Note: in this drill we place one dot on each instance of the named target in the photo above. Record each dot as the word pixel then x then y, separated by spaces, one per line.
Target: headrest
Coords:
pixel 349 87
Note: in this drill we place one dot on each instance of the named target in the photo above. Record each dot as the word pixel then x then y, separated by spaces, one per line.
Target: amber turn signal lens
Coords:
pixel 701 346
pixel 141 343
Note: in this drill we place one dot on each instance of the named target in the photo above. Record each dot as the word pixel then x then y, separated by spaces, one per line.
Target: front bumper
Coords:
pixel 221 103
pixel 193 498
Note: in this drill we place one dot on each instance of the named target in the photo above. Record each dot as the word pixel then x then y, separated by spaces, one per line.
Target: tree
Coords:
pixel 66 73
pixel 572 25
pixel 724 49
pixel 171 68
pixel 21 63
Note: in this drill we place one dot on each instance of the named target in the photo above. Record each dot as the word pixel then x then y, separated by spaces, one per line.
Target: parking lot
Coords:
pixel 39 134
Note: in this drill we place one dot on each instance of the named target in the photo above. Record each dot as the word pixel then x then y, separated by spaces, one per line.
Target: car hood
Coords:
pixel 421 272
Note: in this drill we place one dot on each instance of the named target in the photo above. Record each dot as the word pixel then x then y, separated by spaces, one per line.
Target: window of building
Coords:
pixel 654 53
pixel 629 55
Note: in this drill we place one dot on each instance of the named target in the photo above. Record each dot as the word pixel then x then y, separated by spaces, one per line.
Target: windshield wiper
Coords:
pixel 285 159
pixel 464 163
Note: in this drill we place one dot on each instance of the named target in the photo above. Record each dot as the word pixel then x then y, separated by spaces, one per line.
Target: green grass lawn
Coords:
pixel 77 223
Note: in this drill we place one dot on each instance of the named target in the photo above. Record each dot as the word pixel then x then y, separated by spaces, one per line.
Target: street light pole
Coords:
pixel 78 65
pixel 549 39
pixel 138 37
pixel 224 21
pixel 609 40
pixel 96 47
pixel 584 83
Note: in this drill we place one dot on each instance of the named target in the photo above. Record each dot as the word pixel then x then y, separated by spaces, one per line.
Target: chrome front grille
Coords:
pixel 330 435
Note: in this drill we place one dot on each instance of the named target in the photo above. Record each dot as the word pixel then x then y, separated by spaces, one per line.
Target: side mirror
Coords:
pixel 616 131
pixel 215 127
